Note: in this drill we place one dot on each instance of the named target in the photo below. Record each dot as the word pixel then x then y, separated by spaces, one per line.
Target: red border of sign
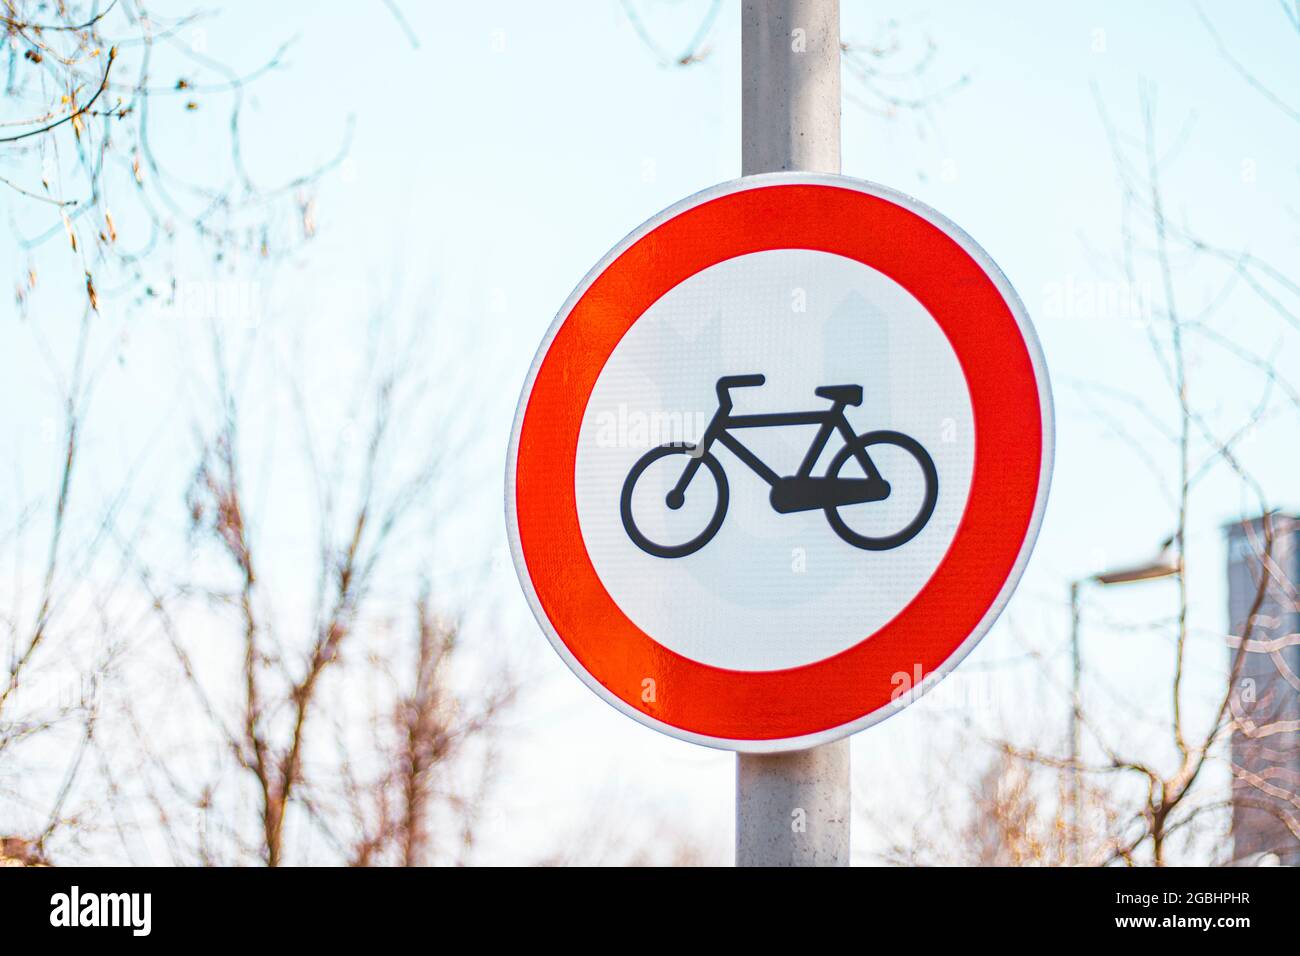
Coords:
pixel 1006 376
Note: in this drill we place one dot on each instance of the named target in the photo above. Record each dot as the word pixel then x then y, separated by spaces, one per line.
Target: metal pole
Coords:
pixel 790 86
pixel 792 809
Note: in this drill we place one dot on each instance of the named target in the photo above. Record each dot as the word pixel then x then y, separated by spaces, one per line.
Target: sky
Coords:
pixel 500 155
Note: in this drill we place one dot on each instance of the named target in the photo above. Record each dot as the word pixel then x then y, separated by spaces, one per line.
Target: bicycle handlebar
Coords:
pixel 728 382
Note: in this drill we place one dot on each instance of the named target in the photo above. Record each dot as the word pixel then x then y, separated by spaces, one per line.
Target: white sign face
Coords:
pixel 780 462
pixel 803 319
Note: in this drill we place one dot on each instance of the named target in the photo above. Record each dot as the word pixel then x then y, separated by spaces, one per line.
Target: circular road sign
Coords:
pixel 779 462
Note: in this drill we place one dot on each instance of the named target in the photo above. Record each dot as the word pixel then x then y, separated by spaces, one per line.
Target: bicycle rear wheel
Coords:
pixel 928 498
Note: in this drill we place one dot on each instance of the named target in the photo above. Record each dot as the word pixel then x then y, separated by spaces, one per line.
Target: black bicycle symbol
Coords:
pixel 798 492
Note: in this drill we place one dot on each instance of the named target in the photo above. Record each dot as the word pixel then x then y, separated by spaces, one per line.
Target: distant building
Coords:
pixel 1266 693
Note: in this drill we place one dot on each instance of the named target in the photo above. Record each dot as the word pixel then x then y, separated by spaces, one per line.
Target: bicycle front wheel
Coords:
pixel 666 526
pixel 912 477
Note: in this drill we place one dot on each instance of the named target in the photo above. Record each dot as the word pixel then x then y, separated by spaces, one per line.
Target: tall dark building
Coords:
pixel 1266 694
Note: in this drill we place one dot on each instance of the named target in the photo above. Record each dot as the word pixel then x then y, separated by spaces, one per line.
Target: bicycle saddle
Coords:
pixel 848 394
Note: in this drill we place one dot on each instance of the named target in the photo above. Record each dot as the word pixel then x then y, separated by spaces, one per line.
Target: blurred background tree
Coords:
pixel 354 725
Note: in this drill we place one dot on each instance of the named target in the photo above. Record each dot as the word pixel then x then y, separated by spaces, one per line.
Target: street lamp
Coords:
pixel 1163 565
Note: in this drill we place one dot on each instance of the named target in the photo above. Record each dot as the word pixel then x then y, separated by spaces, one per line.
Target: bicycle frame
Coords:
pixel 723 422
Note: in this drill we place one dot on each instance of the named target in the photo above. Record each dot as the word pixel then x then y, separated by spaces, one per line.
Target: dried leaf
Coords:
pixel 67 224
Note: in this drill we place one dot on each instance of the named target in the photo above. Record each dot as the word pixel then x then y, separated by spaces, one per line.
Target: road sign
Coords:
pixel 779 462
